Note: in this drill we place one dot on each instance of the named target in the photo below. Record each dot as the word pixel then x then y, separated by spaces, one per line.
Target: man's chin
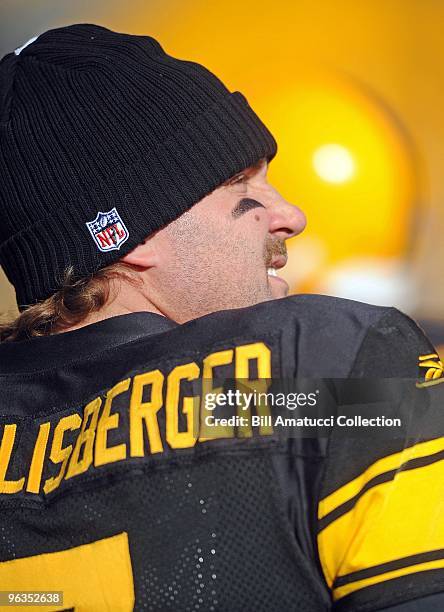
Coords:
pixel 278 286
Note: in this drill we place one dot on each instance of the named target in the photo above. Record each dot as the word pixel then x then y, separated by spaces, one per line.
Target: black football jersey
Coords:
pixel 119 489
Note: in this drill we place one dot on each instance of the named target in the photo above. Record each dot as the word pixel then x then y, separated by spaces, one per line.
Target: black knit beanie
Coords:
pixel 104 138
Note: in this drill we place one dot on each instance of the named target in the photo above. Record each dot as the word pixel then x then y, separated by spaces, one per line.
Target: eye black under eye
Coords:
pixel 245 205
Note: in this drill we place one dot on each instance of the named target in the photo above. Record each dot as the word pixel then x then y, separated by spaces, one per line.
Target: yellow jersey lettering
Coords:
pixel 38 457
pixel 85 440
pixel 58 453
pixel 146 399
pixel 175 438
pixel 145 412
pixel 213 360
pixel 104 453
pixel 244 355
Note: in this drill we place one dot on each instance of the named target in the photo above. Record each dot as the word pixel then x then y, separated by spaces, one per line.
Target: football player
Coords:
pixel 144 242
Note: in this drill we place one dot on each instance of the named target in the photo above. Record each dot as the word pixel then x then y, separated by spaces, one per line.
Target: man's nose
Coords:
pixel 286 220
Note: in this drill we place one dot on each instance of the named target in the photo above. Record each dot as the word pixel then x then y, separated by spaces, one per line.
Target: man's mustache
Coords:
pixel 272 248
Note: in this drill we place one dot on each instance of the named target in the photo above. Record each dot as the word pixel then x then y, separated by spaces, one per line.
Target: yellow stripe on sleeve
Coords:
pixel 391 462
pixel 404 571
pixel 392 520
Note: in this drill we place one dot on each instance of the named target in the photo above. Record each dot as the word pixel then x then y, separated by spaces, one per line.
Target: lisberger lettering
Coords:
pixel 147 414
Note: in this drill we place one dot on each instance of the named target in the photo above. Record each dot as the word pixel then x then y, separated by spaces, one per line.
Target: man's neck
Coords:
pixel 127 299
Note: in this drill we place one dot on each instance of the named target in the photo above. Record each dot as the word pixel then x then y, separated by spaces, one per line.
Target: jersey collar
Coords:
pixel 53 351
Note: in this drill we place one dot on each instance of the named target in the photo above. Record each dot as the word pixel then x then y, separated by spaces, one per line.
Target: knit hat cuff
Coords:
pixel 147 194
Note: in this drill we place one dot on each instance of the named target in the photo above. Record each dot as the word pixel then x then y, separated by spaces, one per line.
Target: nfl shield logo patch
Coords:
pixel 108 230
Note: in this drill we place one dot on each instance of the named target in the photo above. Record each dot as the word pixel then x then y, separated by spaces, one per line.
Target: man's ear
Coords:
pixel 142 256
